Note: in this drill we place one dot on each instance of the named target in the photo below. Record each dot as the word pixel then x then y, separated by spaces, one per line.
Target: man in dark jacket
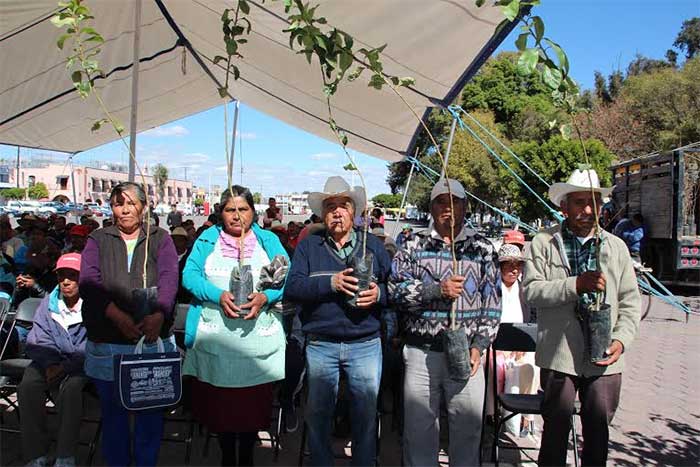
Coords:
pixel 56 345
pixel 340 336
pixel 174 218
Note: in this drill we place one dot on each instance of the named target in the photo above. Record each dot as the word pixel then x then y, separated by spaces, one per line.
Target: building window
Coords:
pixel 170 191
pixel 62 182
pixel 179 192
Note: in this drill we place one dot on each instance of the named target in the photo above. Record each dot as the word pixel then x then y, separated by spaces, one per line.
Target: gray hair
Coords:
pixel 123 187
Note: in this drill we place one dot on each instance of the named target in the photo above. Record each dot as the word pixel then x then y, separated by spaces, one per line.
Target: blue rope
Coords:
pixel 464 126
pixel 495 138
pixel 664 295
pixel 429 173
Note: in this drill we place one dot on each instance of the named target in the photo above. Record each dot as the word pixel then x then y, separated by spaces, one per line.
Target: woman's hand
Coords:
pixel 151 325
pixel 124 323
pixel 227 304
pixel 257 301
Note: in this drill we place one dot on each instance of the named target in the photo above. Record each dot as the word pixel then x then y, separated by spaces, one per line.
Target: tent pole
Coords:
pixel 233 140
pixel 403 200
pixel 449 146
pixel 134 90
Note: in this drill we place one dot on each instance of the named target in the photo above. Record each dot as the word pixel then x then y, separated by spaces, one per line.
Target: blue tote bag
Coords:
pixel 148 380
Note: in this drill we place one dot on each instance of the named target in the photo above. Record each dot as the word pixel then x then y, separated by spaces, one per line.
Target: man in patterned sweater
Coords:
pixel 423 286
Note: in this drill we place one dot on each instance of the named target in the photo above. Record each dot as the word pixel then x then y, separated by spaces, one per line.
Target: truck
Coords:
pixel 664 188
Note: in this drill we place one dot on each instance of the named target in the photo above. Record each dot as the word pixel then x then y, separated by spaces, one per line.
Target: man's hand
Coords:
pixel 54 374
pixel 124 323
pixel 368 297
pixel 228 306
pixel 25 281
pixel 257 301
pixel 452 287
pixel 151 325
pixel 343 282
pixel 475 359
pixel 613 352
pixel 590 281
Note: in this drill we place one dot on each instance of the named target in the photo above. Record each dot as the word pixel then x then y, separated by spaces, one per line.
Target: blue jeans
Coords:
pixel 361 362
pixel 116 435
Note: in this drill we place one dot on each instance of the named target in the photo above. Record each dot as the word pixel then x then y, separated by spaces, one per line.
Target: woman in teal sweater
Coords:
pixel 236 344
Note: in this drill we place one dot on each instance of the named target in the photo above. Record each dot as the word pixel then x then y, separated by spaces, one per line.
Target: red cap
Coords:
pixel 80 230
pixel 514 236
pixel 69 261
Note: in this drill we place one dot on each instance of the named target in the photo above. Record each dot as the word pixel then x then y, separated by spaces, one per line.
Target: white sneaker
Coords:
pixel 65 462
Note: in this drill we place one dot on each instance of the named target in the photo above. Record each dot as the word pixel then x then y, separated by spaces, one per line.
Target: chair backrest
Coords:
pixel 181 310
pixel 4 306
pixel 27 309
pixel 518 337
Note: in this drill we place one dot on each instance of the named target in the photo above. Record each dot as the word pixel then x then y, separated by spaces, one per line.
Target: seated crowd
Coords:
pixel 335 298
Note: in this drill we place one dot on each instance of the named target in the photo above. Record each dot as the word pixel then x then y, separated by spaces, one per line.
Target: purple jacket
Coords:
pixel 105 277
pixel 48 343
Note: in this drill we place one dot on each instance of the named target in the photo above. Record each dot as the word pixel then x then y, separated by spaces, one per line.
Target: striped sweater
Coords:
pixel 414 288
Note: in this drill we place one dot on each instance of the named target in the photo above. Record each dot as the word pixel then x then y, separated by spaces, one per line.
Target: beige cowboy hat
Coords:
pixel 580 180
pixel 335 187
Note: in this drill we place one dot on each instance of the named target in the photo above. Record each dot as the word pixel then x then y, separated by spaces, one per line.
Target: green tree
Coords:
pixel 386 200
pixel 522 105
pixel 553 160
pixel 13 193
pixel 160 178
pixel 688 39
pixel 38 191
pixel 666 100
pixel 257 197
pixel 198 202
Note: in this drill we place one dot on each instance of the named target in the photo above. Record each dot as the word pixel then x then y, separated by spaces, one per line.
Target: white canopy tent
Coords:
pixel 440 43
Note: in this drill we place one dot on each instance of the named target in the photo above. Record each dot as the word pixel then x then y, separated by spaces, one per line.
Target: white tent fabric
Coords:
pixel 440 43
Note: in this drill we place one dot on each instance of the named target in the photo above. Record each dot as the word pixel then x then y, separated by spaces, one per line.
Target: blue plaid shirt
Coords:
pixel 581 258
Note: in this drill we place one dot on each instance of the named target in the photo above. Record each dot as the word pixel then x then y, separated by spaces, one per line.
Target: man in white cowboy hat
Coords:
pixel 340 337
pixel 423 286
pixel 561 281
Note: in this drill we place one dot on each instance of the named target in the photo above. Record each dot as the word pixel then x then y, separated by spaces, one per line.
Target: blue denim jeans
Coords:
pixel 116 436
pixel 361 362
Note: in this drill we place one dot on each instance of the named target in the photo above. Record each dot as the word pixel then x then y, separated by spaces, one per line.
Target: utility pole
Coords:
pixel 17 172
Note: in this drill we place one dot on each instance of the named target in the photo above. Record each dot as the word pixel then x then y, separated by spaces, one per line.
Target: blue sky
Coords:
pixel 600 35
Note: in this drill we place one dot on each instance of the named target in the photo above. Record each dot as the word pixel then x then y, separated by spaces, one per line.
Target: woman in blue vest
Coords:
pixel 235 344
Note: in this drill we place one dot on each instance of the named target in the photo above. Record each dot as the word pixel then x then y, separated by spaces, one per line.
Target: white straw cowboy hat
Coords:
pixel 580 180
pixel 335 187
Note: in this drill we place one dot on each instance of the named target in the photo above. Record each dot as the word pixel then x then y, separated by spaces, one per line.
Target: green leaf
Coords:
pixel 407 81
pixel 61 40
pixel 566 131
pixel 98 124
pixel 511 9
pixel 76 76
pixel 223 92
pixel 394 80
pixel 501 25
pixel 561 56
pixel 344 140
pixel 345 61
pixel 60 22
pixel 119 128
pixel 224 16
pixel 243 5
pixel 88 31
pixel 218 59
pixel 521 41
pixel 349 41
pixel 236 72
pixel 322 20
pixel 528 61
pixel 231 47
pixel 480 3
pixel 551 77
pixel 356 74
pixel 376 81
pixel 95 38
pixel 539 28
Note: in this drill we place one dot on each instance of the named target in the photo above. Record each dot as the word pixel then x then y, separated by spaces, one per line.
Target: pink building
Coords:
pixel 92 183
